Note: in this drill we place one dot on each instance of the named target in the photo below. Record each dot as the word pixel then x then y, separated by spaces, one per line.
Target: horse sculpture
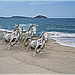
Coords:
pixel 38 44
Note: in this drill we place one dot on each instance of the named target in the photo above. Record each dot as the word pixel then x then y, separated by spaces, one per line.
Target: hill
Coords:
pixel 40 16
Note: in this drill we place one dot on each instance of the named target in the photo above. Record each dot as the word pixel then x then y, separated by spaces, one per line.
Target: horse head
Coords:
pixel 32 30
pixel 20 29
pixel 45 36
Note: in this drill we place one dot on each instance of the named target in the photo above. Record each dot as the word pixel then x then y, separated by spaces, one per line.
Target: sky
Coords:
pixel 51 9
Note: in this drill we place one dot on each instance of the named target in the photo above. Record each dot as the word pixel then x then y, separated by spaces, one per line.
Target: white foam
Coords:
pixel 66 44
pixel 6 30
pixel 29 24
pixel 61 34
pixel 65 39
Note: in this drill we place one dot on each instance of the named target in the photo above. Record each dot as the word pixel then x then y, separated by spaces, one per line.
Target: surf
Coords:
pixel 65 39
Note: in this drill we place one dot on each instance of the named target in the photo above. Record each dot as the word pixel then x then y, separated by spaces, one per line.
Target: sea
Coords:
pixel 61 30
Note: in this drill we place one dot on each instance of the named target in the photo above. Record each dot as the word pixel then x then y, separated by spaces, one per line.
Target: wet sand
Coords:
pixel 54 59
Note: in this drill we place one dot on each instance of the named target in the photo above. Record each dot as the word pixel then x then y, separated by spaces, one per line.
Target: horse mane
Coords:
pixel 30 28
pixel 16 28
pixel 41 35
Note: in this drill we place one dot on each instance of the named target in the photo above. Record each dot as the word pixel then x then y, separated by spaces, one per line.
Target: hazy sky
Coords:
pixel 33 8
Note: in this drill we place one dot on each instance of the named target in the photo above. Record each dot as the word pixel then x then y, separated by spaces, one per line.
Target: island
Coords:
pixel 40 16
pixel 19 17
pixel 15 17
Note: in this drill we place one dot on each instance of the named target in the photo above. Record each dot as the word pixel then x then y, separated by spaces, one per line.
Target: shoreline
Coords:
pixel 54 59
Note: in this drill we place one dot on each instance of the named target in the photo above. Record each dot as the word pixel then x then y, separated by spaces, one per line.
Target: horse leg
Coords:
pixel 9 47
pixel 35 51
pixel 34 54
pixel 23 44
pixel 2 41
pixel 28 48
pixel 40 49
pixel 10 43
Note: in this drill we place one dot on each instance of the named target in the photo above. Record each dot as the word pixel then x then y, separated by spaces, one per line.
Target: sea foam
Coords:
pixel 65 39
pixel 5 30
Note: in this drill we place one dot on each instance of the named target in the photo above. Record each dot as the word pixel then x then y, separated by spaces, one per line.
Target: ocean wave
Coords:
pixel 6 30
pixel 65 39
pixel 29 24
pixel 60 34
pixel 71 44
pixel 67 29
pixel 26 26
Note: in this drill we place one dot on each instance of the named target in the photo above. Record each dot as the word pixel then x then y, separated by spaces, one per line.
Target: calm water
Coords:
pixel 56 27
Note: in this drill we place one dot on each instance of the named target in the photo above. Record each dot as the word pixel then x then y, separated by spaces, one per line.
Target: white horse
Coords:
pixel 7 36
pixel 37 44
pixel 28 35
pixel 15 36
pixel 31 31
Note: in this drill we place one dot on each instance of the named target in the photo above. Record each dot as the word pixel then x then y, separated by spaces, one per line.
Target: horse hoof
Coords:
pixel 8 48
pixel 33 55
pixel 22 48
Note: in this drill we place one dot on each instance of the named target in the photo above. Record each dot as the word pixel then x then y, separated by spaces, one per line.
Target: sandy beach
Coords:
pixel 54 59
